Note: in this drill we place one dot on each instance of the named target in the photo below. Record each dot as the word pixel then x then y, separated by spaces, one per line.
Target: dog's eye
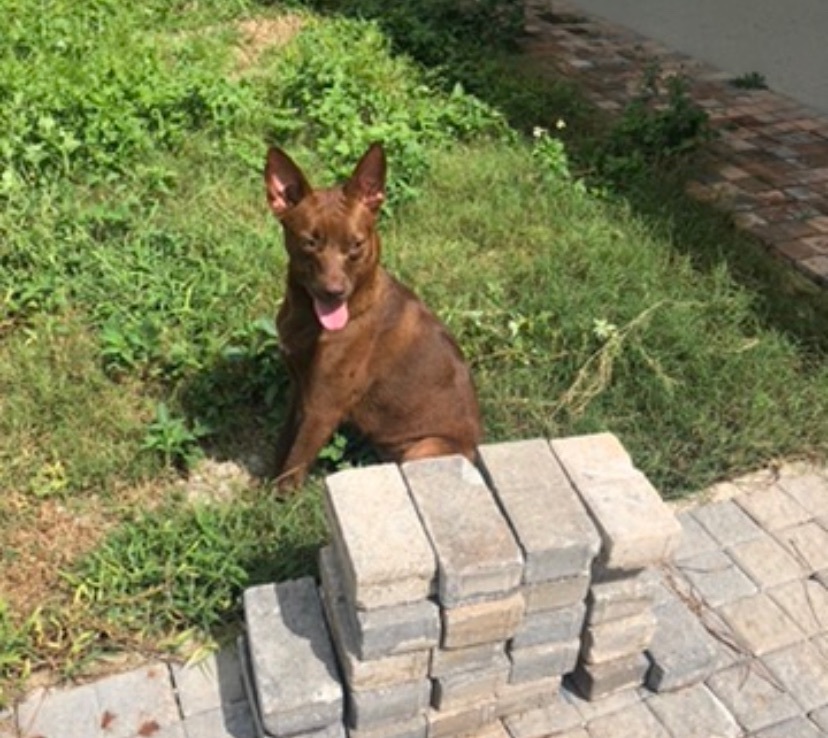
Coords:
pixel 355 249
pixel 312 242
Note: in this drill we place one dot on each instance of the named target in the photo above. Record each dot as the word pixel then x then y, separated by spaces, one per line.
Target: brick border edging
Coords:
pixel 769 165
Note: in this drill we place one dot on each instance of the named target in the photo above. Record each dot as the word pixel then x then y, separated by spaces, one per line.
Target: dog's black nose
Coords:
pixel 333 295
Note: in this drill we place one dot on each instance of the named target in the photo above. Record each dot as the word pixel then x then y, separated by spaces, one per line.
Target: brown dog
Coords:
pixel 360 347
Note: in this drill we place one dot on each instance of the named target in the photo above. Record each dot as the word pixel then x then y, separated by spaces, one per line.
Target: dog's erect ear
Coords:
pixel 284 182
pixel 367 183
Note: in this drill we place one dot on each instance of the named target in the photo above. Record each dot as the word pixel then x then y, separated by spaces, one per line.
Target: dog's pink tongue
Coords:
pixel 333 318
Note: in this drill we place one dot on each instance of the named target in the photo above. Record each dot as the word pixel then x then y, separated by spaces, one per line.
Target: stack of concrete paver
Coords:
pixel 638 533
pixel 451 604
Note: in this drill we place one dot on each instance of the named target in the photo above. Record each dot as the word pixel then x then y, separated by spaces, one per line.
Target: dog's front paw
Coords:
pixel 289 481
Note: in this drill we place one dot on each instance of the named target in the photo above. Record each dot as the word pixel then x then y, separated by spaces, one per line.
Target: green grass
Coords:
pixel 140 269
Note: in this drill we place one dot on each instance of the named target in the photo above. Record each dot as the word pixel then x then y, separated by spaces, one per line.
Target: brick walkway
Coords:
pixel 751 570
pixel 769 163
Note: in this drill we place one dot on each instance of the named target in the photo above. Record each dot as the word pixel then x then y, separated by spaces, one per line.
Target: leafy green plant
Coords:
pixel 174 439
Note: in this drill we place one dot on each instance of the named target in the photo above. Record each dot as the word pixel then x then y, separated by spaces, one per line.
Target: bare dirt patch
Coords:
pixel 257 35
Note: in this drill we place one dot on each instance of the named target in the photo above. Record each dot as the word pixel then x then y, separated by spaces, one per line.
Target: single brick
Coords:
pixel 716 578
pixel 144 696
pixel 294 670
pixel 461 689
pixel 809 490
pixel 372 708
pixel 637 529
pixel 482 622
pixel 727 523
pixel 544 661
pixel 461 723
pixel 760 625
pixel 411 666
pixel 803 671
pixel 610 703
pixel 477 555
pixel 210 683
pixel 694 712
pixel 555 594
pixel 754 699
pixel 550 626
pixel 446 662
pixel 527 478
pixel 514 699
pixel 807 544
pixel 493 730
pixel 62 713
pixel 772 508
pixel 415 728
pixel 820 718
pixel 596 681
pixel 682 651
pixel 635 720
pixel 797 728
pixel 620 598
pixel 385 631
pixel 543 721
pixel 616 639
pixel 369 511
pixel 805 602
pixel 335 730
pixel 766 562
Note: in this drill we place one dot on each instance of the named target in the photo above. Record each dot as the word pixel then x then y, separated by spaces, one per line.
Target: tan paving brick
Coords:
pixel 760 625
pixel 694 712
pixel 635 720
pixel 809 490
pixel 766 562
pixel 773 508
pixel 807 543
pixel 806 603
pixel 802 670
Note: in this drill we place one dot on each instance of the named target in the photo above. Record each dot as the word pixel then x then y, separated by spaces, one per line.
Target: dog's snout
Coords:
pixel 333 293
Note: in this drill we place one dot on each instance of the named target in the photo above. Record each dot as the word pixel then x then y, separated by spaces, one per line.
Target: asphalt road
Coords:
pixel 786 42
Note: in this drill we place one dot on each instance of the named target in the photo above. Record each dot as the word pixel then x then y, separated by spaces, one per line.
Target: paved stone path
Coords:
pixel 752 568
pixel 769 164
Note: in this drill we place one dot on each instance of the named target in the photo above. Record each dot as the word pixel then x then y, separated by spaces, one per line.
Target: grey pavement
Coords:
pixel 783 41
pixel 744 606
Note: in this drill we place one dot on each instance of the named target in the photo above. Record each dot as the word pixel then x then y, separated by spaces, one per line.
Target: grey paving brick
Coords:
pixel 727 522
pixel 461 689
pixel 477 554
pixel 515 699
pixel 766 562
pixel 415 728
pixel 805 602
pixel 694 712
pixel 716 578
pixel 621 598
pixel 772 508
pixel 796 728
pixel 803 672
pixel 543 721
pixel 820 719
pixel 694 537
pixel 384 631
pixel 556 594
pixel 547 660
pixel 445 662
pixel 616 639
pixel 482 622
pixel 373 708
pixel 597 681
pixel 635 720
pixel 461 722
pixel 527 478
pixel 61 713
pixel 550 626
pixel 369 510
pixel 210 683
pixel 292 659
pixel 752 695
pixel 682 651
pixel 234 720
pixel 808 544
pixel 637 529
pixel 760 625
pixel 367 673
pixel 139 698
pixel 809 490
